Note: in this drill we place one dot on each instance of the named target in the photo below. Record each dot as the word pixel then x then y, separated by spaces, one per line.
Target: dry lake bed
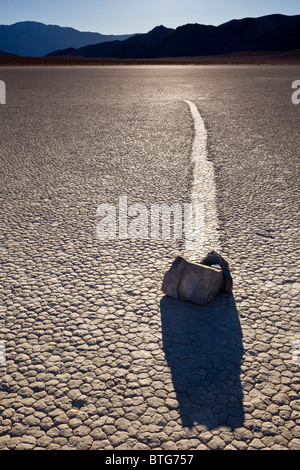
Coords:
pixel 92 354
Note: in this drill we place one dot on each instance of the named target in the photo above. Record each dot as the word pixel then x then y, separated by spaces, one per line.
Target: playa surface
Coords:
pixel 94 356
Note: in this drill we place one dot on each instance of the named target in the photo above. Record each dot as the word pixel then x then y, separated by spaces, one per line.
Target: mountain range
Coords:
pixel 5 53
pixel 271 33
pixel 267 33
pixel 34 39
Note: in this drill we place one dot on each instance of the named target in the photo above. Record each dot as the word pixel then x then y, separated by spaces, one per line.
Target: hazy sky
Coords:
pixel 138 16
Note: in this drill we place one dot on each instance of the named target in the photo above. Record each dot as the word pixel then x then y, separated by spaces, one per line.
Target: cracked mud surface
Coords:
pixel 96 357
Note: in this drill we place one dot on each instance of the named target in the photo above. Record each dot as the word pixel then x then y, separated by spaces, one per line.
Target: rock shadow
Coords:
pixel 203 348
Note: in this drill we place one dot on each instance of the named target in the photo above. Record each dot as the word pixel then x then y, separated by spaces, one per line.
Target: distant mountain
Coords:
pixel 5 53
pixel 30 38
pixel 139 45
pixel 266 33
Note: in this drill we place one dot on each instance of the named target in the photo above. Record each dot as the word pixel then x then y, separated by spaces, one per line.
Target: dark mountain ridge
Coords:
pixel 267 33
pixel 139 45
pixel 5 53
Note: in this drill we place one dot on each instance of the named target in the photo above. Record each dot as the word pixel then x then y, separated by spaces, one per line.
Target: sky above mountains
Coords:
pixel 138 16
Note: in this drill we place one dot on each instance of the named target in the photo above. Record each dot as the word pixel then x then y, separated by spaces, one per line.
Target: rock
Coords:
pixel 197 283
